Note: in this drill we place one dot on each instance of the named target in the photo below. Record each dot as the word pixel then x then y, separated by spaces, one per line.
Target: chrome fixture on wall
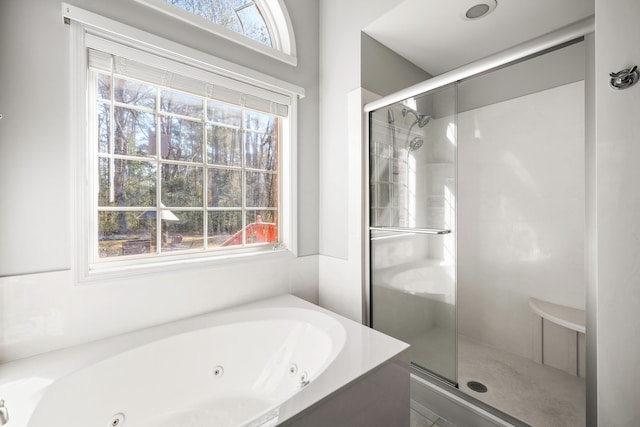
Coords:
pixel 4 414
pixel 415 144
pixel 392 128
pixel 625 78
pixel 421 119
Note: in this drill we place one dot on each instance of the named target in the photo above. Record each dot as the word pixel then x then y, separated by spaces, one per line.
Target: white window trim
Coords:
pixel 273 11
pixel 87 25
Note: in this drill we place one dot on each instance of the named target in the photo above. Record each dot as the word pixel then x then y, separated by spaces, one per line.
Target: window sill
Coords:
pixel 109 271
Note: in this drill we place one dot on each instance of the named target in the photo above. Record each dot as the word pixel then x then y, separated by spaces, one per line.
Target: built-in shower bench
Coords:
pixel 568 317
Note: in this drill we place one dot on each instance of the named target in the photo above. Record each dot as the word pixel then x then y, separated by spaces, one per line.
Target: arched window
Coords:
pixel 261 25
pixel 190 161
pixel 241 16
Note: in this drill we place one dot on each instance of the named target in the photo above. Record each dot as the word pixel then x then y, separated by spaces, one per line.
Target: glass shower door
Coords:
pixel 412 221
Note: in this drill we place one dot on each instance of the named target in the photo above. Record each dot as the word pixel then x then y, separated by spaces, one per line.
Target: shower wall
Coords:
pixel 521 186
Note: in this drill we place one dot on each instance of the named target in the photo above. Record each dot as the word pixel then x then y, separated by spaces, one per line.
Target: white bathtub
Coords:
pixel 254 365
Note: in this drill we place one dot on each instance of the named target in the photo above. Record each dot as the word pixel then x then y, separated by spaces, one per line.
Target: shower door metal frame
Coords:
pixel 366 309
pixel 548 42
pixel 509 56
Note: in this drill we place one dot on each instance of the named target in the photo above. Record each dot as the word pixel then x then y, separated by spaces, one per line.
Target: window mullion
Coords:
pixel 112 125
pixel 243 162
pixel 158 230
pixel 236 11
pixel 274 34
pixel 244 6
pixel 205 177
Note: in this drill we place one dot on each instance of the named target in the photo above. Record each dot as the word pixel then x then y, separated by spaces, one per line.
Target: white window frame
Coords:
pixel 94 31
pixel 274 13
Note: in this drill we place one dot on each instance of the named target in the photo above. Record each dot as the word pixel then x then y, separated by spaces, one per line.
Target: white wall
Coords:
pixel 34 196
pixel 341 24
pixel 340 281
pixel 342 45
pixel 47 311
pixel 383 71
pixel 618 222
pixel 41 308
pixel 556 68
pixel 521 210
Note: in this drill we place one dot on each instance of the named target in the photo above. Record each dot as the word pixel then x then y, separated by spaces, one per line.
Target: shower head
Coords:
pixel 421 119
pixel 415 144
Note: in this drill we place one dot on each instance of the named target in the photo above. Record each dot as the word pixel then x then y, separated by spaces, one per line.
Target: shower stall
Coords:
pixel 476 219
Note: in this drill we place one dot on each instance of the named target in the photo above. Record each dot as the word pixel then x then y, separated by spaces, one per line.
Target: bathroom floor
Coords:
pixel 418 419
pixel 536 394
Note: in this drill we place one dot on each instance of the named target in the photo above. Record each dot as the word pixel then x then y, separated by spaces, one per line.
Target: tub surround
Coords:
pixel 341 371
pixel 47 311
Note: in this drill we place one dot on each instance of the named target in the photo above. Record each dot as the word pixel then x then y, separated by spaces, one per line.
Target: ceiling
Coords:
pixel 436 36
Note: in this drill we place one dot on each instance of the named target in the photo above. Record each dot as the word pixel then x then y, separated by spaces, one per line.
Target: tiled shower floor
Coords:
pixel 538 395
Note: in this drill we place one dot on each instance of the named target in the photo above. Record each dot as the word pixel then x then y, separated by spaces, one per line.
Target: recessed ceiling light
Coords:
pixel 481 9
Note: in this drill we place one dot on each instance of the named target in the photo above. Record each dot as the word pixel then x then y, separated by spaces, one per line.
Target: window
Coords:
pixel 242 16
pixel 177 171
pixel 185 160
pixel 261 25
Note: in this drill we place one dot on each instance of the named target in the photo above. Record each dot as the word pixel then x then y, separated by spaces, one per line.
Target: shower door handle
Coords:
pixel 412 230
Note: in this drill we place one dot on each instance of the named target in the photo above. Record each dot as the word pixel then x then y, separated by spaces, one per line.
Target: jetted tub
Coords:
pixel 281 361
